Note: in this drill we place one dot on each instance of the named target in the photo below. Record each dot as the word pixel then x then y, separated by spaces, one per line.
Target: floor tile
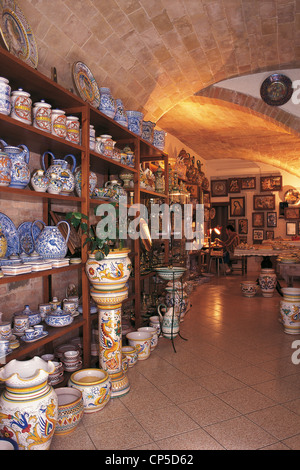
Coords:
pixel 219 382
pixel 251 375
pixel 278 421
pixel 183 391
pixel 193 440
pixel 240 434
pixel 165 422
pixel 125 433
pixel 208 410
pixel 246 400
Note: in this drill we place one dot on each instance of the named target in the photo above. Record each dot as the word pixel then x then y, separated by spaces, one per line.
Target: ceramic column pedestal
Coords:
pixel 109 305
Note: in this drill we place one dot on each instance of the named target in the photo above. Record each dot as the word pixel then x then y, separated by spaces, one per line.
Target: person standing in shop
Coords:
pixel 229 245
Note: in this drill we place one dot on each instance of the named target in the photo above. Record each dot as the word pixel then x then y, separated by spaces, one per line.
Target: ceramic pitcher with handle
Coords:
pixel 19 156
pixel 169 321
pixel 59 166
pixel 50 244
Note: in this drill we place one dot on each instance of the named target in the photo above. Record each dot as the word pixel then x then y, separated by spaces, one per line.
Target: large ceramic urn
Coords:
pixel 28 405
pixel 290 310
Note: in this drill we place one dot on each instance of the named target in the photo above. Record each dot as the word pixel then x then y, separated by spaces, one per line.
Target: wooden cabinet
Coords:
pixel 15 132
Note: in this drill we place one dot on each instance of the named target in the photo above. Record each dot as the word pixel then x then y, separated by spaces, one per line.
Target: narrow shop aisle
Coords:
pixel 231 385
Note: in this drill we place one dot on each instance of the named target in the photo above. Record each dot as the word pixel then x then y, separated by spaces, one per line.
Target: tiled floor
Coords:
pixel 231 385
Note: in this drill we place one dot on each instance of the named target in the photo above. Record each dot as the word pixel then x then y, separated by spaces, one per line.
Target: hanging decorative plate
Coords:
pixel 25 236
pixel 10 232
pixel 292 196
pixel 276 89
pixel 86 84
pixel 16 33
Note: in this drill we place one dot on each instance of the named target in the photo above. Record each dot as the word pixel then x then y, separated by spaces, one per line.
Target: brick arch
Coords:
pixel 285 120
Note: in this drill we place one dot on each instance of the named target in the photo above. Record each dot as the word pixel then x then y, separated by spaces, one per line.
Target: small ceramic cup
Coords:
pixel 38 330
pixel 29 334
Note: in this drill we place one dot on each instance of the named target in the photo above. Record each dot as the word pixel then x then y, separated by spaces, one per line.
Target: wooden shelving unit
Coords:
pixel 14 132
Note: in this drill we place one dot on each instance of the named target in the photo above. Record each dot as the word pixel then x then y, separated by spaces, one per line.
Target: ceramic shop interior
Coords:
pixel 186 116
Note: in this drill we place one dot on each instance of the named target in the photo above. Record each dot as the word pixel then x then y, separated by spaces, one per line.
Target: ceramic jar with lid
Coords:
pixel 59 123
pixel 5 90
pixel 73 129
pixel 21 106
pixel 39 181
pixel 42 116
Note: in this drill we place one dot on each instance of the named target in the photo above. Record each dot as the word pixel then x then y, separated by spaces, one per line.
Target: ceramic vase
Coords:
pixel 107 104
pixel 21 106
pixel 60 168
pixel 120 115
pixel 148 131
pixel 267 282
pixel 78 179
pixel 5 169
pixel 290 310
pixel 5 90
pixel 95 386
pixel 19 156
pixel 39 181
pixel 159 140
pixel 135 119
pixel 28 405
pixel 50 243
pixel 111 273
pixel 42 116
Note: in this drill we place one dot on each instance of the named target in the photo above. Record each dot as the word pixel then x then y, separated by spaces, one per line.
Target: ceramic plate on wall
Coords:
pixel 86 84
pixel 25 237
pixel 16 33
pixel 10 232
pixel 276 89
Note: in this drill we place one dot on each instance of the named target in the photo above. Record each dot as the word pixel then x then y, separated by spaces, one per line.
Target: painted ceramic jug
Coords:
pixel 50 244
pixel 20 173
pixel 60 167
pixel 28 405
pixel 170 321
pixel 5 169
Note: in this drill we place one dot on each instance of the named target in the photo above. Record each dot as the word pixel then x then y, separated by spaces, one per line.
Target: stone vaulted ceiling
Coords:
pixel 163 56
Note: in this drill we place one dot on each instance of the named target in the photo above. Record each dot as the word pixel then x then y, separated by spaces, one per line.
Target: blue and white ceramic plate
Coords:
pixel 16 33
pixel 10 232
pixel 86 84
pixel 25 236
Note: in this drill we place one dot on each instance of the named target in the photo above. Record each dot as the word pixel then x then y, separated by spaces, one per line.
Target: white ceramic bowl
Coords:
pixel 142 342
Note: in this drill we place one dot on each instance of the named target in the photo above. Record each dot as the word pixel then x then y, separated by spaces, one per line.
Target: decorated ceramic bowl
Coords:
pixel 170 274
pixel 95 385
pixel 142 342
pixel 59 320
pixel 70 409
pixel 249 288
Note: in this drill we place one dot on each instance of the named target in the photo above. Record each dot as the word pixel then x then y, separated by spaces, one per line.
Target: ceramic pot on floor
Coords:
pixel 267 282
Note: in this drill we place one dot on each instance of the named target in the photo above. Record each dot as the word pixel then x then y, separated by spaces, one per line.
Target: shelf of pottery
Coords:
pixel 58 155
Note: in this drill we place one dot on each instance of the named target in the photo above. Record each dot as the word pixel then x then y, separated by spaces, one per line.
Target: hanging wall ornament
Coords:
pixel 276 89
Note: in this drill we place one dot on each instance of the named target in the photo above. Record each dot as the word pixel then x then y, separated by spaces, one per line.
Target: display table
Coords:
pixel 288 271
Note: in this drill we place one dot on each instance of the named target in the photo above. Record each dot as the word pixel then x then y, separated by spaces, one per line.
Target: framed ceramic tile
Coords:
pixel 271 183
pixel 234 185
pixel 243 239
pixel 258 234
pixel 258 219
pixel 261 203
pixel 291 228
pixel 218 188
pixel 237 206
pixel 248 183
pixel 243 226
pixel 292 213
pixel 271 219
